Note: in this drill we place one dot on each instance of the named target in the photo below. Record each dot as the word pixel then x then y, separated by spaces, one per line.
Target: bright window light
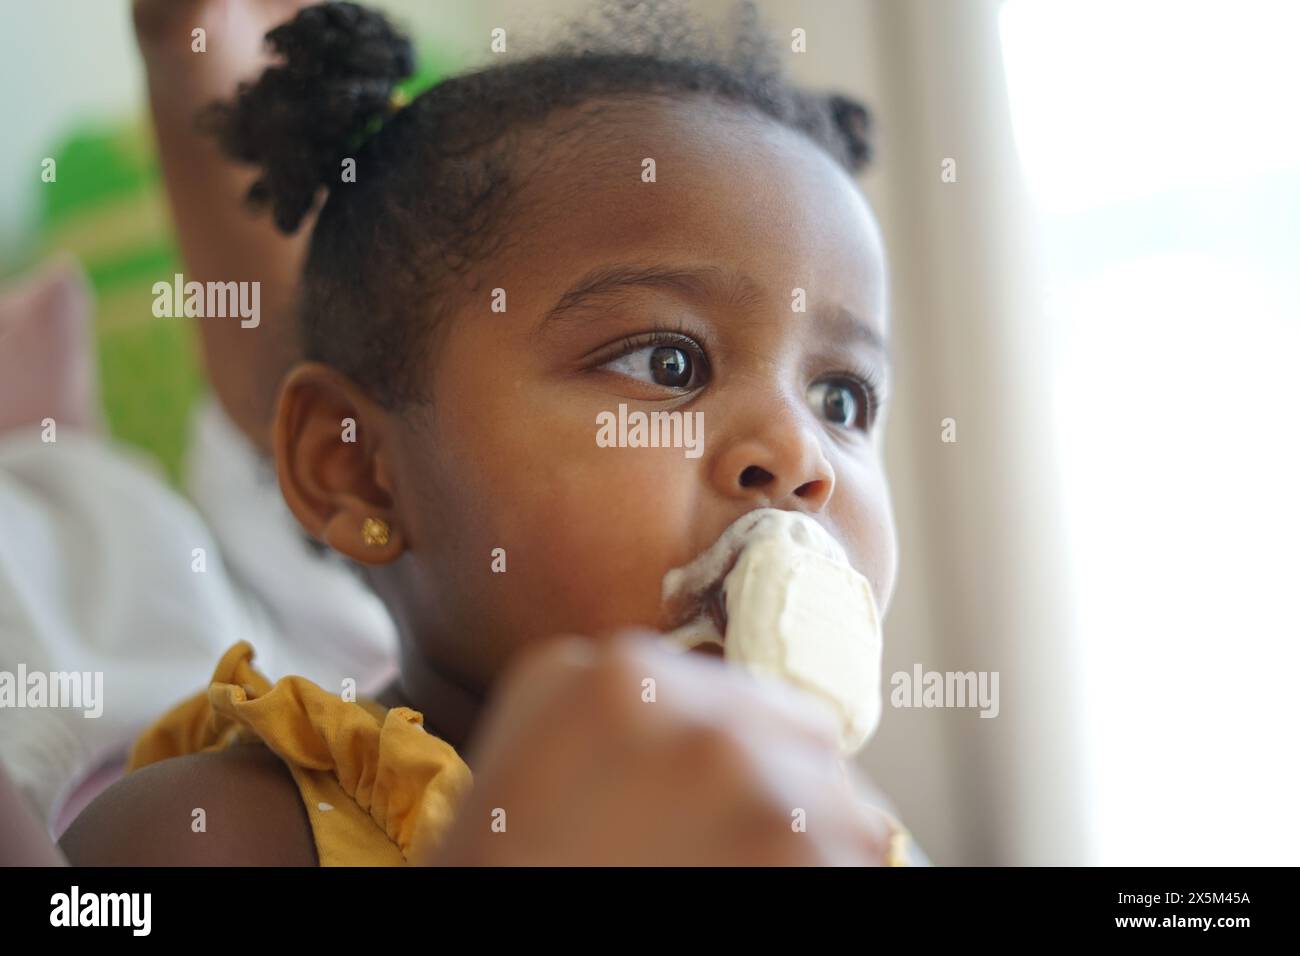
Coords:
pixel 1160 144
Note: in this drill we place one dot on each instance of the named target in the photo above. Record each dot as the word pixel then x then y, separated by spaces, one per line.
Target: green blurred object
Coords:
pixel 107 207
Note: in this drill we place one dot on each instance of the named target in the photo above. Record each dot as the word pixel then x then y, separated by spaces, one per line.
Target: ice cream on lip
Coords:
pixel 778 593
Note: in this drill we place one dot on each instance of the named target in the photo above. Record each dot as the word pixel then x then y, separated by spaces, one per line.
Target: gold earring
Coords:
pixel 374 532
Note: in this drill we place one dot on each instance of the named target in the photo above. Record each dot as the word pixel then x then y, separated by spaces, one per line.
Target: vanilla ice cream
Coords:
pixel 794 609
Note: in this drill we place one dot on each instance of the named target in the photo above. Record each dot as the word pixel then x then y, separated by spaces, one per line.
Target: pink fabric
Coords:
pixel 85 791
pixel 47 362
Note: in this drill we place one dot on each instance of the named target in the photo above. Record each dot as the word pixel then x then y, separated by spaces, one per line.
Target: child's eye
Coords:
pixel 842 401
pixel 669 365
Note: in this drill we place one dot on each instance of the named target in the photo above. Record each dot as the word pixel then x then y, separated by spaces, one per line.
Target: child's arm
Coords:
pixel 219 239
pixel 252 815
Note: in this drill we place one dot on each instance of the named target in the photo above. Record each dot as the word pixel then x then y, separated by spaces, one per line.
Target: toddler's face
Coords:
pixel 510 454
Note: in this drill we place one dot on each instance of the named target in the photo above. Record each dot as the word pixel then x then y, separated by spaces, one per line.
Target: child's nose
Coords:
pixel 783 467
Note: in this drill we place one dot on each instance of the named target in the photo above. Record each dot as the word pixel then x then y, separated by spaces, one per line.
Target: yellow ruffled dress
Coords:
pixel 378 788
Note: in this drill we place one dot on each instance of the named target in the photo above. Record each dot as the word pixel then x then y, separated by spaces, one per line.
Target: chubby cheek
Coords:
pixel 585 533
pixel 599 534
pixel 865 522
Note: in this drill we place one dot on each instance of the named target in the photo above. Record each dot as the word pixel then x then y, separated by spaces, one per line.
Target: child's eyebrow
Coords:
pixel 700 283
pixel 842 323
pixel 705 282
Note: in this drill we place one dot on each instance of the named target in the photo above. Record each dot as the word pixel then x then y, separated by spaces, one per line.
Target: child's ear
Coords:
pixel 332 462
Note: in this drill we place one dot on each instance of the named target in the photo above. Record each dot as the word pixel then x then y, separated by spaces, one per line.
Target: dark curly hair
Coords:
pixel 435 178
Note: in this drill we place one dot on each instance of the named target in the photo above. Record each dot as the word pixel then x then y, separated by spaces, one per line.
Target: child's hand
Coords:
pixel 577 765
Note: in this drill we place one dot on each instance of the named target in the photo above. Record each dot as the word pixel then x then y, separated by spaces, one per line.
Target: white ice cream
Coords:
pixel 795 609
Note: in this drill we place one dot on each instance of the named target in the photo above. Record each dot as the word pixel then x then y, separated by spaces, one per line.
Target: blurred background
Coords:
pixel 1106 302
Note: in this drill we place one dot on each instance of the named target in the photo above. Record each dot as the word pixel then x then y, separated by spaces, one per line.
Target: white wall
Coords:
pixel 61 62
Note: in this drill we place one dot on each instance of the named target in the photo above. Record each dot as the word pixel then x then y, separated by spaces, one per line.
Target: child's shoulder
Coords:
pixel 233 807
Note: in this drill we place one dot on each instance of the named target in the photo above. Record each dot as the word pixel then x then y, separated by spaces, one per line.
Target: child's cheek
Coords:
pixel 865 521
pixel 611 521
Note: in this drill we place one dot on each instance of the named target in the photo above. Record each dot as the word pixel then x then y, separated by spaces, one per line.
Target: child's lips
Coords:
pixel 709 648
pixel 707 601
pixel 692 595
pixel 715 609
pixel 715 605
